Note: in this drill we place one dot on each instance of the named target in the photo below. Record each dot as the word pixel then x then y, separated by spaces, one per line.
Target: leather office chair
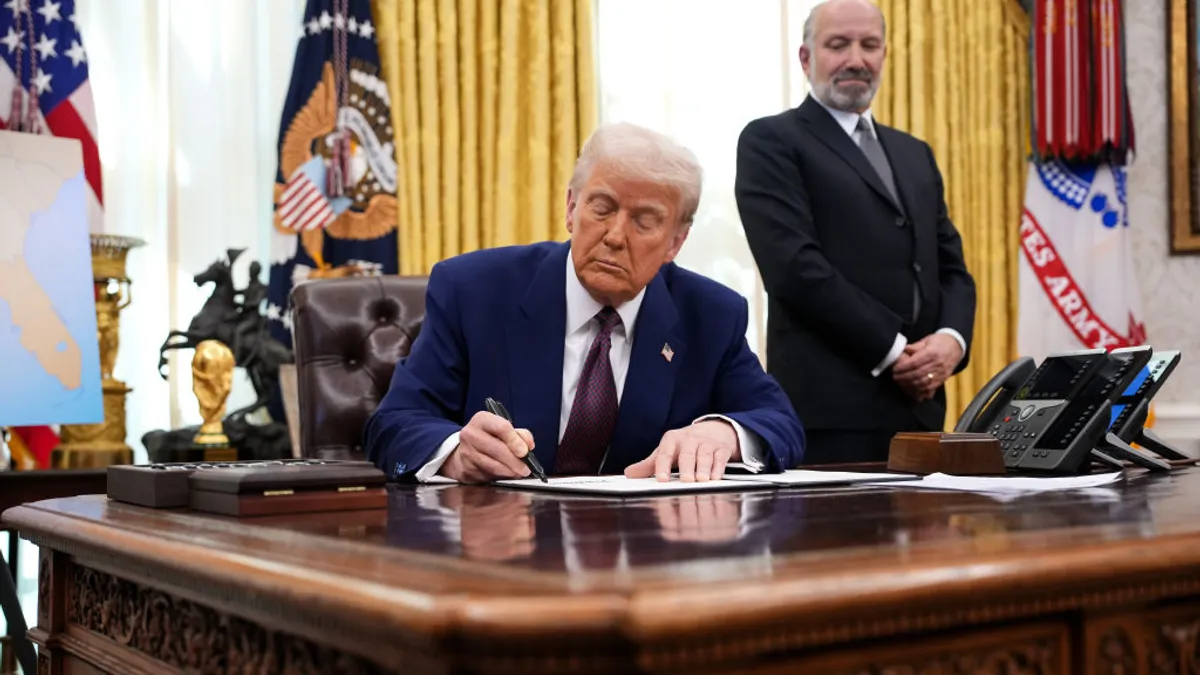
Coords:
pixel 349 334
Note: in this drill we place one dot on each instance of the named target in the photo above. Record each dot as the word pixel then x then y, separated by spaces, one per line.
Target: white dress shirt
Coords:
pixel 581 330
pixel 848 121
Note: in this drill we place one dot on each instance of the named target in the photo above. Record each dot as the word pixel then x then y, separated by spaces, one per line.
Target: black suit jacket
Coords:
pixel 839 259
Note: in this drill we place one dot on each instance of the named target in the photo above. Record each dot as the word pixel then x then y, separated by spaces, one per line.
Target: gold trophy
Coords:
pixel 212 378
pixel 85 446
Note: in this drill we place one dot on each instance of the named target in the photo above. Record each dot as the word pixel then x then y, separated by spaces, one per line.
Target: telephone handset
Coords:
pixel 994 396
pixel 1054 419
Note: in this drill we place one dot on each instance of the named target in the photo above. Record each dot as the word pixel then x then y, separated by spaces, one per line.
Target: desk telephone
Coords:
pixel 1058 416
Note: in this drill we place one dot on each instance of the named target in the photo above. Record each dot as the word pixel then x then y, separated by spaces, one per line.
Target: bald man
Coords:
pixel 871 305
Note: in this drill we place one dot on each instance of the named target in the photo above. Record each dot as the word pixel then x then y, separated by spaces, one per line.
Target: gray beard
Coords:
pixel 832 97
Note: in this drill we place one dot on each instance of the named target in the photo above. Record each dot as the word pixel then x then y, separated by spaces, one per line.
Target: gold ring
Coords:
pixel 929 376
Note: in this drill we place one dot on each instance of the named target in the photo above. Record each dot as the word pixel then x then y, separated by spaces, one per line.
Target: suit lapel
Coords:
pixel 535 342
pixel 650 380
pixel 826 129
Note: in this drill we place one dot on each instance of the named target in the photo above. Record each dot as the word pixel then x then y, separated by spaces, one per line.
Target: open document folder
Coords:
pixel 620 485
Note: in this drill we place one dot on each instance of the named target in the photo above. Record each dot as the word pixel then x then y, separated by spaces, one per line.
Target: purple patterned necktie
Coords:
pixel 594 412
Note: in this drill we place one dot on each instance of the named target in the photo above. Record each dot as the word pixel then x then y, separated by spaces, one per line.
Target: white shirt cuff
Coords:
pixel 751 446
pixel 429 472
pixel 897 349
pixel 957 338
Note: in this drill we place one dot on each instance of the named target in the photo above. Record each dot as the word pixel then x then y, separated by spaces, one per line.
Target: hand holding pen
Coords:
pixel 489 448
pixel 497 408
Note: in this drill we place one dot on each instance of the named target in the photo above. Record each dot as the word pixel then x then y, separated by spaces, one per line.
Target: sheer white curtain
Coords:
pixel 188 98
pixel 700 72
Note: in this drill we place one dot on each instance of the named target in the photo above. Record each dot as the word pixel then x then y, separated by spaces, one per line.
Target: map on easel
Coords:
pixel 49 352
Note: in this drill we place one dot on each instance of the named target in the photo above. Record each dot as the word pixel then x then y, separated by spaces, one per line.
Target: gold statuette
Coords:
pixel 212 378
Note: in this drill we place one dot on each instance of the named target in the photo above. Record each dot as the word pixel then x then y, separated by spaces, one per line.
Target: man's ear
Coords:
pixel 805 56
pixel 570 211
pixel 677 240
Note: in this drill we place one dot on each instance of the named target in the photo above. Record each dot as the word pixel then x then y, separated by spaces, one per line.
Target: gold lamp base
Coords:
pixel 95 446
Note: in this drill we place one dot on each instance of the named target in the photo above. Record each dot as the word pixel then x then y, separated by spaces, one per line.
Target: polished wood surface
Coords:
pixel 482 579
pixel 19 487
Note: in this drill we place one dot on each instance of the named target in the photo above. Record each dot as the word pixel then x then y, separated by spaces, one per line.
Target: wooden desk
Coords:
pixel 483 580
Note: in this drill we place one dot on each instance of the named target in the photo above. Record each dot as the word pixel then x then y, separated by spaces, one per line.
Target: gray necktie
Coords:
pixel 874 152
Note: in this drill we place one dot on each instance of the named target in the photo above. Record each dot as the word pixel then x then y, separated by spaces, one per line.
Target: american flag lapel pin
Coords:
pixel 667 352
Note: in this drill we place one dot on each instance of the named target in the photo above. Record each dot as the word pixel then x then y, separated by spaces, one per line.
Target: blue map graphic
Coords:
pixel 57 252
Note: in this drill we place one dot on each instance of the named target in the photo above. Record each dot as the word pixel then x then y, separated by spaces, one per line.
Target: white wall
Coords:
pixel 1170 284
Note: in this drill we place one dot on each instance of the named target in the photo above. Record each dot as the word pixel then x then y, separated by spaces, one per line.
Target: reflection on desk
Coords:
pixel 488 580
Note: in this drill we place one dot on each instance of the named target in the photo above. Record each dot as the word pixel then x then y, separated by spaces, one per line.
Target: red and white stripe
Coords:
pixel 303 206
pixel 1044 56
pixel 73 118
pixel 1108 74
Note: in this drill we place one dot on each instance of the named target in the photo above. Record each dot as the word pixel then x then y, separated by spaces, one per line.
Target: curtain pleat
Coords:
pixel 495 100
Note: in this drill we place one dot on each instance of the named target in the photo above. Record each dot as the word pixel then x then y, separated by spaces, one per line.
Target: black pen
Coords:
pixel 535 467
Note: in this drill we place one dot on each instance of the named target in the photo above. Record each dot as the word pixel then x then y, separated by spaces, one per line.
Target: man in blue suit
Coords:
pixel 609 357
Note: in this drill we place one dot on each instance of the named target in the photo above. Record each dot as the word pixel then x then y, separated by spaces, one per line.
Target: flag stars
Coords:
pixel 352 25
pixel 325 20
pixel 365 29
pixel 16 6
pixel 42 81
pixel 339 21
pixel 13 40
pixel 46 47
pixel 314 27
pixel 50 11
pixel 75 53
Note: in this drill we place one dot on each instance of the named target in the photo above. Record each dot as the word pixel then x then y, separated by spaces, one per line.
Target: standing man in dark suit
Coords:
pixel 871 305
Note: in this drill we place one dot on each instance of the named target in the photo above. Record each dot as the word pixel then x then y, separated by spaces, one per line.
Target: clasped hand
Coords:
pixel 489 448
pixel 926 364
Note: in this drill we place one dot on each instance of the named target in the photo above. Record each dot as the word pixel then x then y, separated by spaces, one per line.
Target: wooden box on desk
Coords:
pixel 288 489
pixel 939 452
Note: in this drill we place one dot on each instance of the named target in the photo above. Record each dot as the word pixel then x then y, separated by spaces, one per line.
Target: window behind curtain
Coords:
pixel 699 72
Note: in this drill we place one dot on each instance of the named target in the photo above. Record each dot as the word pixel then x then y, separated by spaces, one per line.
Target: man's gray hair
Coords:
pixel 809 27
pixel 638 152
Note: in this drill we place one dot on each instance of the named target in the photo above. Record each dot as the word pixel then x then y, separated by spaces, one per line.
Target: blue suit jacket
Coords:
pixel 495 325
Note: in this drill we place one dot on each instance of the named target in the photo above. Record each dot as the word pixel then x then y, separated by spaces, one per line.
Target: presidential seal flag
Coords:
pixel 1078 287
pixel 335 187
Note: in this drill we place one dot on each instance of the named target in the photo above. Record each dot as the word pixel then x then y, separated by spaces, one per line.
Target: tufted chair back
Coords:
pixel 349 334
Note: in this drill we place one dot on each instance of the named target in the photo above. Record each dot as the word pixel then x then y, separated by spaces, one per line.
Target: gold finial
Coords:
pixel 212 378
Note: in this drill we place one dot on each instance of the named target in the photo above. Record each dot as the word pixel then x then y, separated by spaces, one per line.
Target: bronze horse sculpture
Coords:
pixel 233 317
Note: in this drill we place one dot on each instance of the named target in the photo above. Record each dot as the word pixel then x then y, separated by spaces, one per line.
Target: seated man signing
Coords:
pixel 608 356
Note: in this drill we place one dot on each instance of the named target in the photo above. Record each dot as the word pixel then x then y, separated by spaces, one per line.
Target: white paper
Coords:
pixel 1009 485
pixel 799 477
pixel 620 485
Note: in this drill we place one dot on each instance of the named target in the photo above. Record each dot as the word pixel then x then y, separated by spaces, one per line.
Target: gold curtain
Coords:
pixel 957 76
pixel 491 101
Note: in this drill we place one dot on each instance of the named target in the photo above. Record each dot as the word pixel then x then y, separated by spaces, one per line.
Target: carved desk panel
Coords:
pixel 863 581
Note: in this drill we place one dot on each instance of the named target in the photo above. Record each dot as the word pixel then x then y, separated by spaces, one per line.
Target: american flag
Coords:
pixel 41 47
